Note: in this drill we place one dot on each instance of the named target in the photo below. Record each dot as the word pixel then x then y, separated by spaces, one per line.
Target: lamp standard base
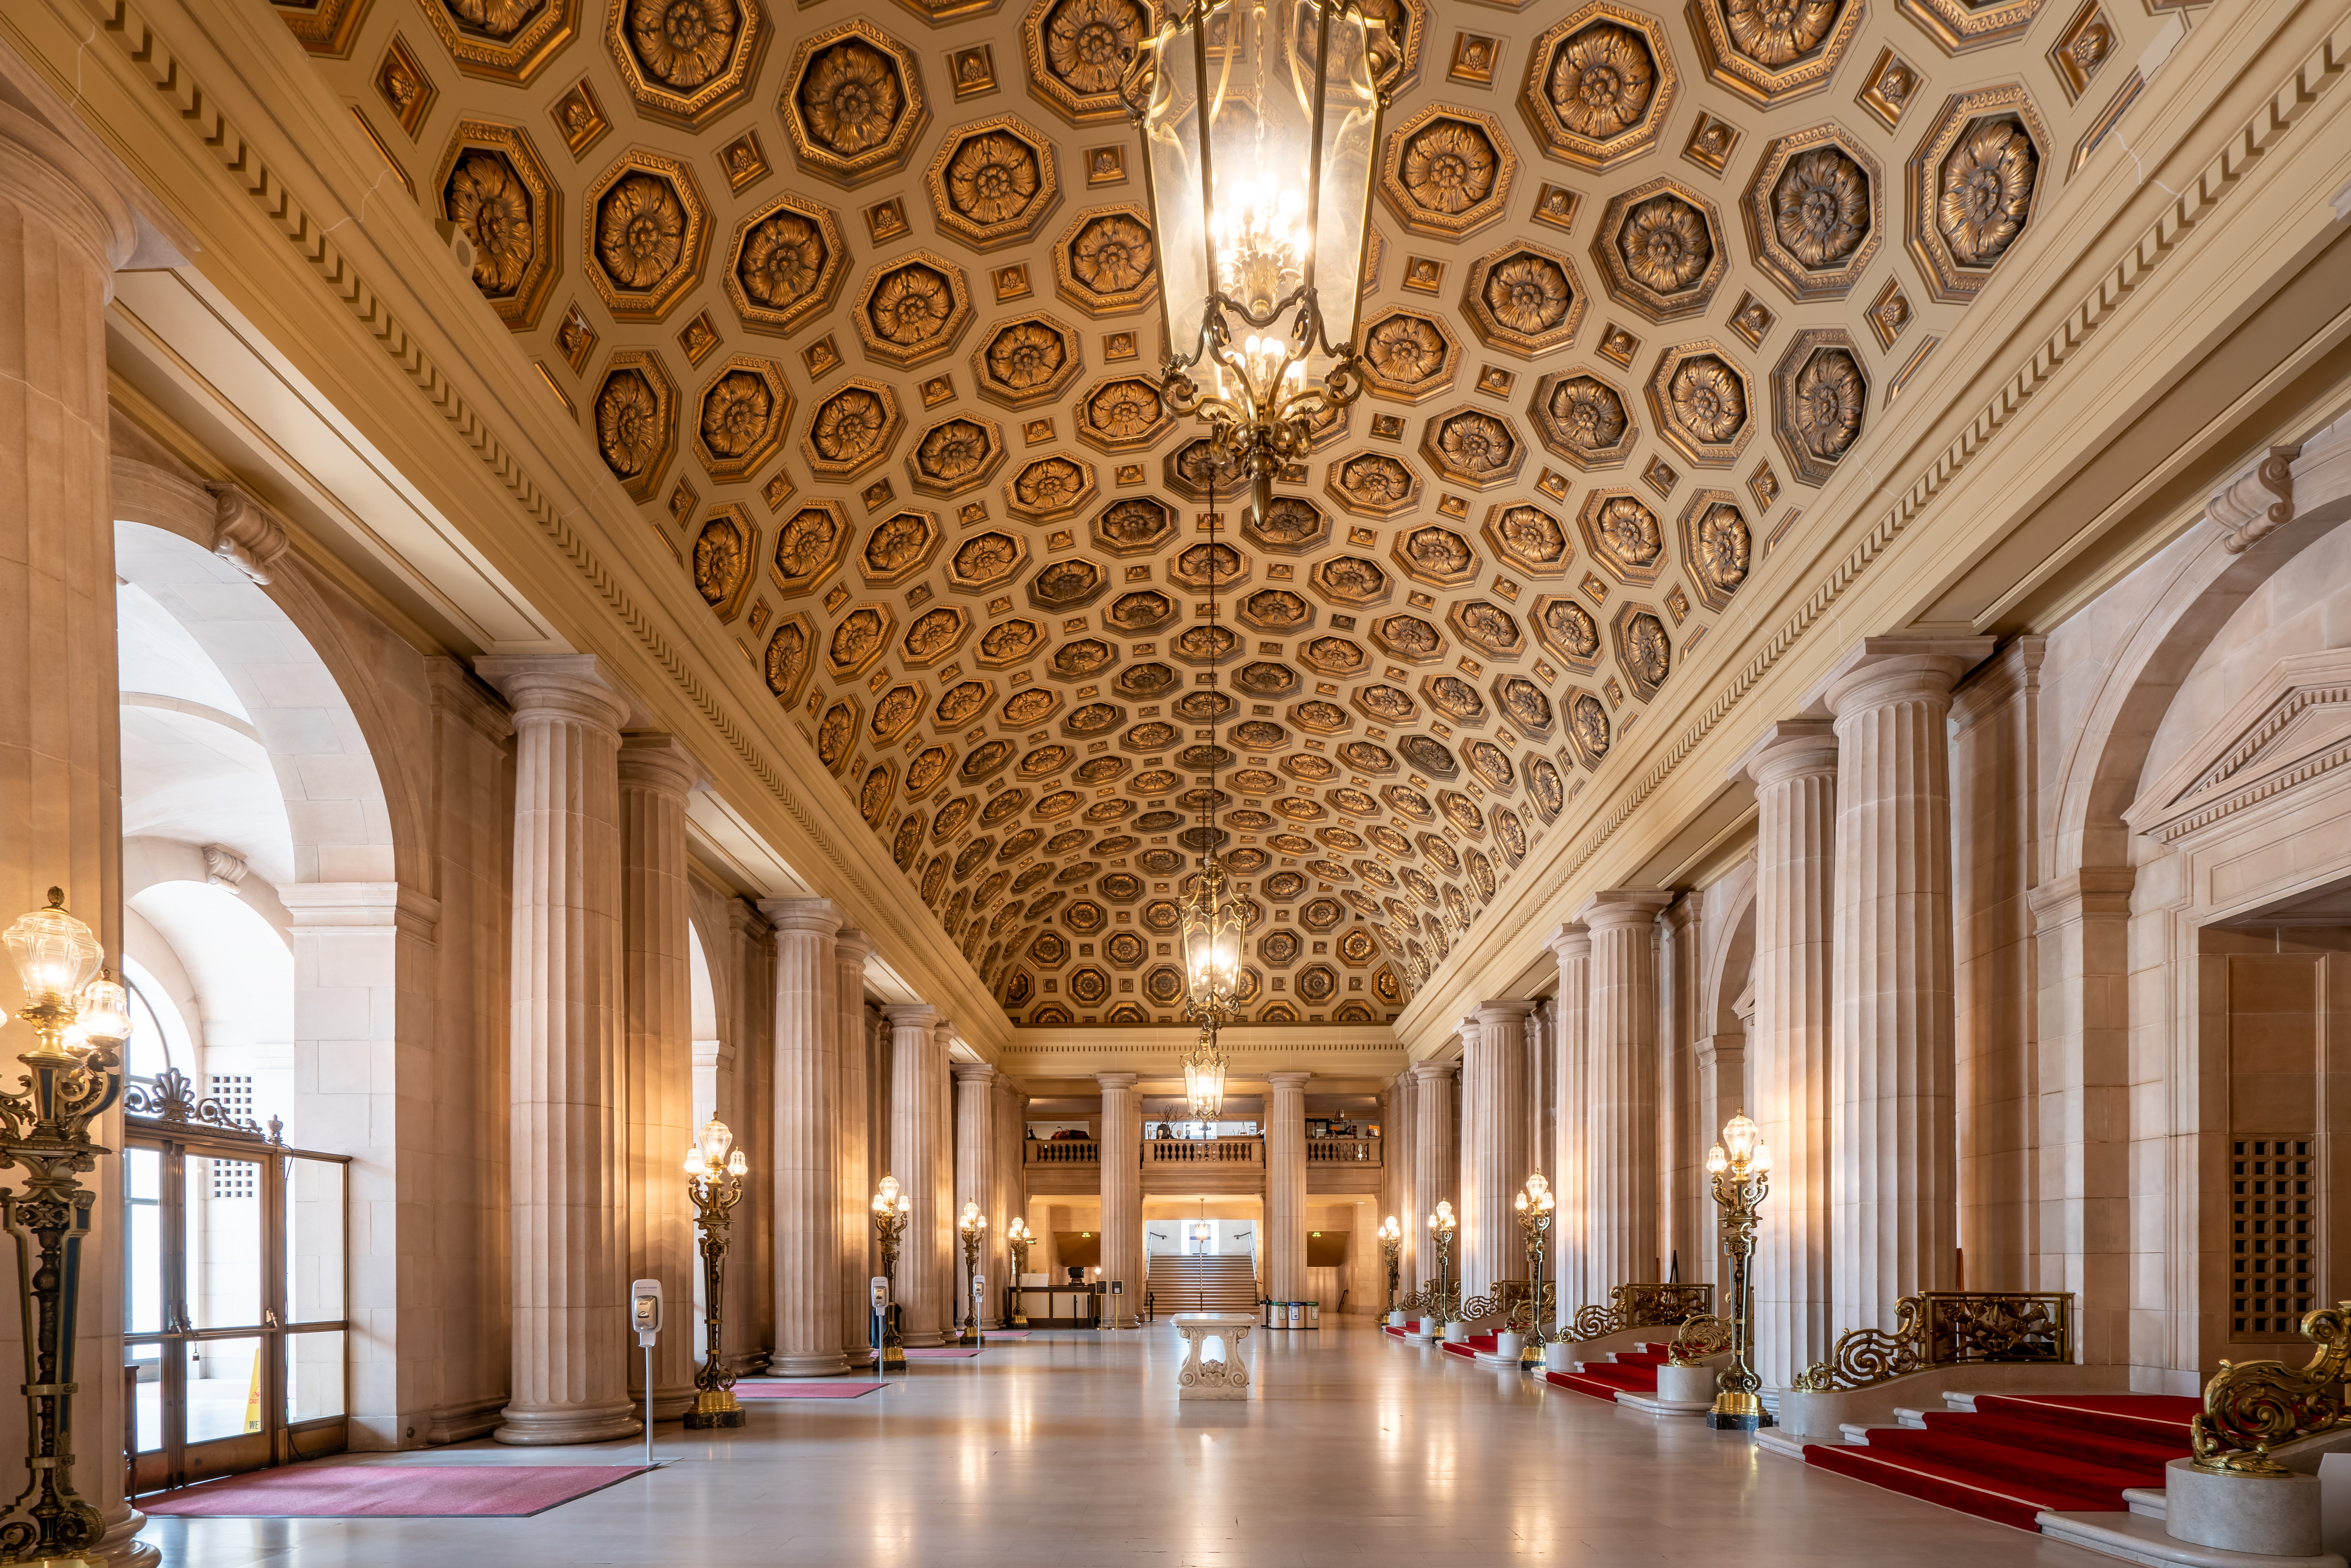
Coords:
pixel 1737 1413
pixel 713 1410
pixel 893 1358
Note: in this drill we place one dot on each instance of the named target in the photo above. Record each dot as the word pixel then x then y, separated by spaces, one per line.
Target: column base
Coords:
pixel 557 1424
pixel 808 1364
pixel 669 1404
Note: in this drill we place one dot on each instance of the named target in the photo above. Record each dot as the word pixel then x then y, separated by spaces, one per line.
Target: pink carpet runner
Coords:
pixel 390 1491
pixel 939 1352
pixel 805 1390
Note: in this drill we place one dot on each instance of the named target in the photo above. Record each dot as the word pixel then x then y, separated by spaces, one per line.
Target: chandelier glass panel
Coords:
pixel 1260 121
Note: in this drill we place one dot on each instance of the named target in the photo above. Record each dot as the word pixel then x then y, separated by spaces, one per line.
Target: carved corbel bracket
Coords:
pixel 244 534
pixel 2257 501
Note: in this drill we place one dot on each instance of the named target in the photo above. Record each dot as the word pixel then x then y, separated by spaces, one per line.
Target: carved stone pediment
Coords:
pixel 2291 732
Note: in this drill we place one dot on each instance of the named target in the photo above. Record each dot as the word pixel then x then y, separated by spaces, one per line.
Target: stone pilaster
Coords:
pixel 1495 1160
pixel 1621 1140
pixel 657 773
pixel 808 1161
pixel 1121 1196
pixel 920 1139
pixel 1400 1178
pixel 1571 945
pixel 1794 770
pixel 853 1178
pixel 748 1023
pixel 568 1180
pixel 1435 1172
pixel 1285 1186
pixel 946 1267
pixel 1894 1214
pixel 1685 1231
pixel 974 1168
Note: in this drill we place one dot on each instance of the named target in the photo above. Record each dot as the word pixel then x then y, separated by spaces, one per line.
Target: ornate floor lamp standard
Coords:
pixel 714 1180
pixel 81 1018
pixel 1441 1227
pixel 891 1209
pixel 973 1228
pixel 1392 1248
pixel 1018 1236
pixel 1742 1168
pixel 1535 1206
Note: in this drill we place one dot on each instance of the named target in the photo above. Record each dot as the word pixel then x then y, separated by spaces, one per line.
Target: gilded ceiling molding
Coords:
pixel 493 188
pixel 853 103
pixel 1600 85
pixel 1974 182
pixel 686 61
pixel 1819 397
pixel 502 40
pixel 1812 212
pixel 1770 53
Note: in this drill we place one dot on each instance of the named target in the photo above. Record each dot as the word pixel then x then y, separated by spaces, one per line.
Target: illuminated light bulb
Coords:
pixel 736 1165
pixel 693 1166
pixel 104 1014
pixel 1761 1163
pixel 1717 1161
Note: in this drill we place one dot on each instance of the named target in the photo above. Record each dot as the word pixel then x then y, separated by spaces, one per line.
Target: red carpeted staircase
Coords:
pixel 1626 1372
pixel 1468 1349
pixel 2015 1456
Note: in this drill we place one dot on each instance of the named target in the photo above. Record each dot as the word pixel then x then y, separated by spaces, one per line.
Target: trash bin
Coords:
pixel 1315 1314
pixel 1297 1314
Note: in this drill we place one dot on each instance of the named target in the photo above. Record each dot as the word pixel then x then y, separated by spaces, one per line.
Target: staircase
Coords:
pixel 1221 1282
pixel 1626 1372
pixel 2008 1458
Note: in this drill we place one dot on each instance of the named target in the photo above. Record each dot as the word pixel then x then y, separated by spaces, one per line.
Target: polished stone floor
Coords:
pixel 1071 1451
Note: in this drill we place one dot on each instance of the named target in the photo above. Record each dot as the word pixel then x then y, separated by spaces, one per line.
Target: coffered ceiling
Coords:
pixel 858 306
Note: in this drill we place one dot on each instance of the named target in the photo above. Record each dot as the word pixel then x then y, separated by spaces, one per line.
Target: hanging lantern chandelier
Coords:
pixel 1261 120
pixel 1204 1078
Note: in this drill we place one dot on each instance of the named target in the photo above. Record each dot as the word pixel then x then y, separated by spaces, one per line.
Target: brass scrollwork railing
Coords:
pixel 2250 1406
pixel 1699 1337
pixel 1641 1305
pixel 1948 1328
pixel 1434 1300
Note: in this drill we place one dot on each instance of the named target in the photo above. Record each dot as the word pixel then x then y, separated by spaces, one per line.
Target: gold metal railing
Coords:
pixel 1509 1300
pixel 1699 1337
pixel 1642 1304
pixel 1434 1300
pixel 1948 1328
pixel 2251 1407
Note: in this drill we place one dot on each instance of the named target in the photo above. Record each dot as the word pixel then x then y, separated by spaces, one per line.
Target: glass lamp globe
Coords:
pixel 56 954
pixel 1739 1136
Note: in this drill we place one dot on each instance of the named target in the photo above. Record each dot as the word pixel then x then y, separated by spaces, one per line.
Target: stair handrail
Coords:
pixel 1948 1328
pixel 1642 1304
pixel 2250 1406
pixel 1701 1336
pixel 1433 1300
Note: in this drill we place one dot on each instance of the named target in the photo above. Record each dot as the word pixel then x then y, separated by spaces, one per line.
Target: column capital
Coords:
pixel 1621 906
pixel 912 1015
pixel 852 945
pixel 1115 1082
pixel 1432 1071
pixel 658 762
pixel 821 917
pixel 2093 889
pixel 1504 1011
pixel 1287 1083
pixel 69 177
pixel 1789 749
pixel 1571 940
pixel 578 686
pixel 978 1072
pixel 325 908
pixel 1880 670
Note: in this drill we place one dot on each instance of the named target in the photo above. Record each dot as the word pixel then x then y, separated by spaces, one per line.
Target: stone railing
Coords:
pixel 2250 1406
pixel 1642 1304
pixel 1068 1152
pixel 1948 1328
pixel 1343 1151
pixel 1203 1151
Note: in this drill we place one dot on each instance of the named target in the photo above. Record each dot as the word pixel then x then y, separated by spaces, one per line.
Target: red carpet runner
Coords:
pixel 2019 1455
pixel 1468 1348
pixel 1633 1372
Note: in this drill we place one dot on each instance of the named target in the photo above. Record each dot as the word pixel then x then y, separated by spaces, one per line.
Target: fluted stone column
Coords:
pixel 975 1166
pixel 1401 1176
pixel 1571 1079
pixel 1620 1141
pixel 1893 1101
pixel 1495 1162
pixel 567 1182
pixel 946 1255
pixel 1121 1196
pixel 920 1139
pixel 657 773
pixel 67 224
pixel 808 1161
pixel 1794 766
pixel 852 1147
pixel 1285 1186
pixel 1434 1170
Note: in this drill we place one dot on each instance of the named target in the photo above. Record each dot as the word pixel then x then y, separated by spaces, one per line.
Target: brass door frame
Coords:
pixel 177 1462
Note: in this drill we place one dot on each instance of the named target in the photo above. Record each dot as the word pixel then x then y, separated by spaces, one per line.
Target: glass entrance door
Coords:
pixel 233 1347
